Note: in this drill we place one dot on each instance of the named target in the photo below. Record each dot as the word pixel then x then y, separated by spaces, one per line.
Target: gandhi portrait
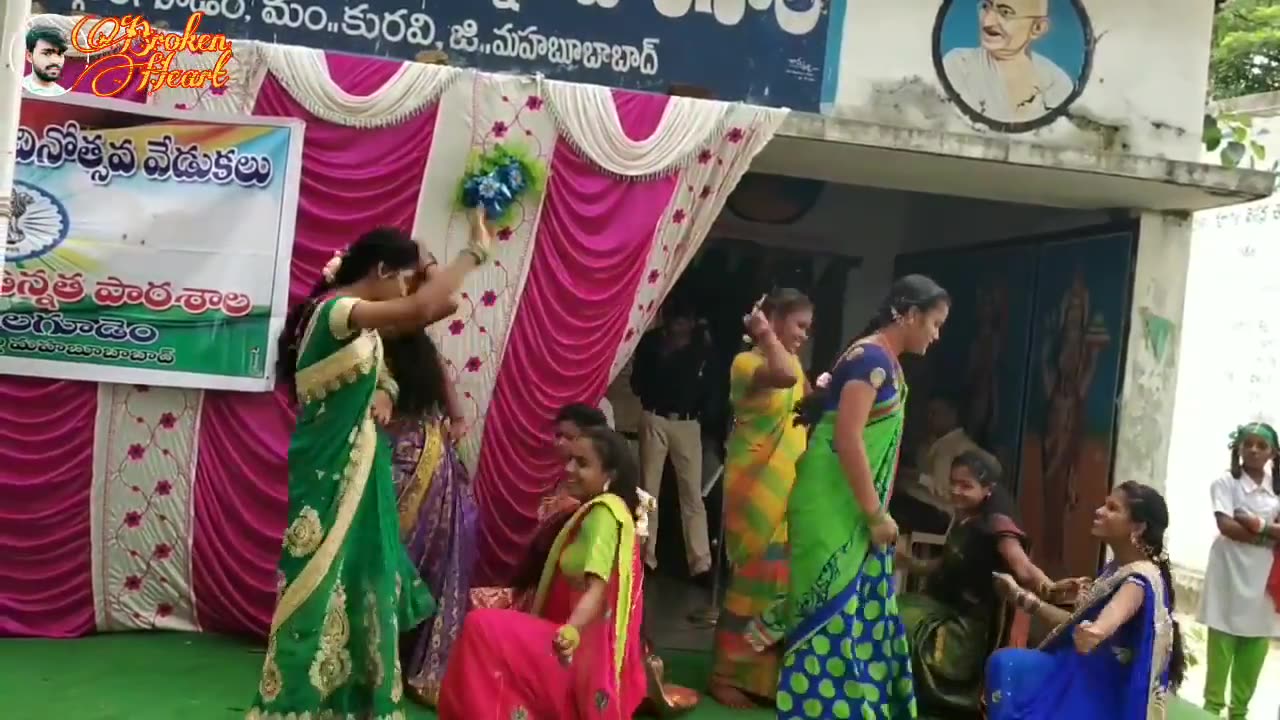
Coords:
pixel 1001 78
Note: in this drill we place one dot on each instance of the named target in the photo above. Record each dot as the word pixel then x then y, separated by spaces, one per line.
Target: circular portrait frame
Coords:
pixel 975 115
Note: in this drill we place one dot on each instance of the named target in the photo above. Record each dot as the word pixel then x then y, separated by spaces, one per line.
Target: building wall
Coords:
pixel 877 225
pixel 1121 75
pixel 1228 355
pixel 1142 93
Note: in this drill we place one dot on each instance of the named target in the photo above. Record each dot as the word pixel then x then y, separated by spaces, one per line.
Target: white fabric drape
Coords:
pixel 587 117
pixel 704 186
pixel 305 74
pixel 475 114
pixel 247 69
pixel 141 510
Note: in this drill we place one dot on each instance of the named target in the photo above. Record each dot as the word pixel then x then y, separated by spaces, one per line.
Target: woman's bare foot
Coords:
pixel 730 696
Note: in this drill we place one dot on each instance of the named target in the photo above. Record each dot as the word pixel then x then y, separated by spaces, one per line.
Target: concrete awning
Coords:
pixel 1009 170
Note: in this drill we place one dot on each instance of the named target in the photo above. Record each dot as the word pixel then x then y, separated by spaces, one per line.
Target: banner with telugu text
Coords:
pixel 148 247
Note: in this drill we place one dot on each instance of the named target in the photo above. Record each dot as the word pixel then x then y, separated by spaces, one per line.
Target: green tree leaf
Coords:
pixel 1232 153
pixel 1246 49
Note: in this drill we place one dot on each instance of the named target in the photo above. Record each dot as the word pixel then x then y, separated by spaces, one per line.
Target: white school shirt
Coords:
pixel 1235 599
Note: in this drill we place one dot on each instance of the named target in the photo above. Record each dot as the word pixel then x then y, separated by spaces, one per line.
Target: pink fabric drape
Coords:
pixel 592 243
pixel 46 468
pixel 46 473
pixel 353 179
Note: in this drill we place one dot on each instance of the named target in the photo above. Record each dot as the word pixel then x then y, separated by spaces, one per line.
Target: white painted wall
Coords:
pixel 878 225
pixel 1229 369
pixel 1145 93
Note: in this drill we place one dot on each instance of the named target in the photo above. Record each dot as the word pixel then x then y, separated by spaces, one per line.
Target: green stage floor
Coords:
pixel 173 676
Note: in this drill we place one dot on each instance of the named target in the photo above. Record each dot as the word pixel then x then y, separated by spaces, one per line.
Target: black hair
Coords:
pixel 781 302
pixel 1147 506
pixel 999 501
pixel 619 462
pixel 415 364
pixel 979 466
pixel 583 415
pixel 1237 470
pixel 385 246
pixel 49 35
pixel 909 292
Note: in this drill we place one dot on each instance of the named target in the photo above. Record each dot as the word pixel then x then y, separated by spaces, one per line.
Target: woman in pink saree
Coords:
pixel 577 652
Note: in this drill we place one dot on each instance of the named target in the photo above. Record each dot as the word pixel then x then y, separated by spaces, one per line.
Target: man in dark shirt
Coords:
pixel 669 378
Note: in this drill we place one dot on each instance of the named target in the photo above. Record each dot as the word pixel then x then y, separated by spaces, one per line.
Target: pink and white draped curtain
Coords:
pixel 126 507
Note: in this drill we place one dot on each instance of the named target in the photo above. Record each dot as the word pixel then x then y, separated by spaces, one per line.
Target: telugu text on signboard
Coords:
pixel 143 248
pixel 769 52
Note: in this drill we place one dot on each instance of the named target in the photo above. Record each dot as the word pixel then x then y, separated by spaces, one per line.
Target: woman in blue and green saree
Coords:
pixel 846 648
pixel 954 623
pixel 346 586
pixel 1119 654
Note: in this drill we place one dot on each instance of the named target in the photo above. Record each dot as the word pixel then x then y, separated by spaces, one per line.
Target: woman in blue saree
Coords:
pixel 846 653
pixel 1119 654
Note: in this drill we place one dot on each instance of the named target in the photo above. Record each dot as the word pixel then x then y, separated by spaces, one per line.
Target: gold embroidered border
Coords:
pixel 356 478
pixel 259 714
pixel 1163 621
pixel 423 474
pixel 340 317
pixel 358 357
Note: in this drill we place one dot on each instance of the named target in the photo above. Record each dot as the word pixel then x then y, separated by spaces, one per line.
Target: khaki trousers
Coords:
pixel 682 440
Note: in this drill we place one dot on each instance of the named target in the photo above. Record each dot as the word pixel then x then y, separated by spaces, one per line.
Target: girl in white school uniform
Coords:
pixel 1237 606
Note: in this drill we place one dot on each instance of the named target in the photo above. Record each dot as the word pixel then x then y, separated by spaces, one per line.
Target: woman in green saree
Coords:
pixel 346 587
pixel 846 649
pixel 952 624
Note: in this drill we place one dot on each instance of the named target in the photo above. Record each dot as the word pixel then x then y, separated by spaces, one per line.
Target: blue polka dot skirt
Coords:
pixel 857 665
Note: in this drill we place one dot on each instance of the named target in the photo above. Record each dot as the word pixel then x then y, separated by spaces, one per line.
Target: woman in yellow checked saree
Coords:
pixel 765 383
pixel 347 588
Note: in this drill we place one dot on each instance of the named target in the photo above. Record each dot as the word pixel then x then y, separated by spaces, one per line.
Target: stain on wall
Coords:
pixel 1151 366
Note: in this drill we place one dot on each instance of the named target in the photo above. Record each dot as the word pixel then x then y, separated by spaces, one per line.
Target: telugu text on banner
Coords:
pixel 147 247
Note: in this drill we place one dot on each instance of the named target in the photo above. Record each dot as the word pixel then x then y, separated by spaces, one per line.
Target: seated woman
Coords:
pixel 576 652
pixel 951 626
pixel 1119 654
pixel 570 422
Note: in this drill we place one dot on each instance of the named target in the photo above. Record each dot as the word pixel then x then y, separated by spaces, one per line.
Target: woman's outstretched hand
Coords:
pixel 382 407
pixel 1086 638
pixel 481 234
pixel 1066 591
pixel 457 429
pixel 1006 586
pixel 884 532
pixel 755 322
pixel 566 641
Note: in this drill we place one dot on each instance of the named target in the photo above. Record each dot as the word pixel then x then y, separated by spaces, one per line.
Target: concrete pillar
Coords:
pixel 13 27
pixel 1151 365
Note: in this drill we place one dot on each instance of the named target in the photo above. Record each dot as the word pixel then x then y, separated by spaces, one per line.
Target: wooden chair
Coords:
pixel 907 544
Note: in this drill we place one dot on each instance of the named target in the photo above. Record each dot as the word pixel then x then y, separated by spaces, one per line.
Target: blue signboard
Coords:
pixel 767 52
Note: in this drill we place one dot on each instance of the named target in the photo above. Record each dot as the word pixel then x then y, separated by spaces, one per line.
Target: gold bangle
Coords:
pixel 569 637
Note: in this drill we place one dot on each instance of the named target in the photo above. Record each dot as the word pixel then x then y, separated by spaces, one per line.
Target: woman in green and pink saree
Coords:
pixel 576 651
pixel 346 587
